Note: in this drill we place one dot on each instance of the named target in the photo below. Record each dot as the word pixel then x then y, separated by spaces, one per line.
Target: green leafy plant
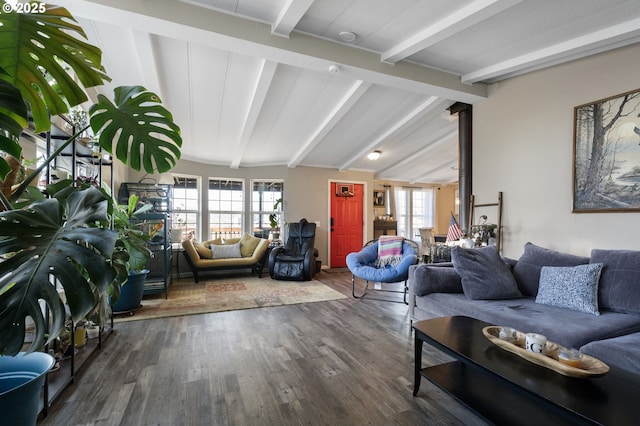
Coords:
pixel 52 240
pixel 137 129
pixel 482 231
pixel 131 251
pixel 36 51
pixel 273 217
pixel 65 238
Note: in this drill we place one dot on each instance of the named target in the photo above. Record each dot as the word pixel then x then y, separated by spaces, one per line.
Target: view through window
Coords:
pixel 186 202
pixel 414 210
pixel 226 207
pixel 264 196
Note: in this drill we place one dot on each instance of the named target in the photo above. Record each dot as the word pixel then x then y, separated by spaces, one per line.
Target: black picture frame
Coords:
pixel 378 199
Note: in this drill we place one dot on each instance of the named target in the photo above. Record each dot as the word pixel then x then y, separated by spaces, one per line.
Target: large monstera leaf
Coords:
pixel 13 118
pixel 35 49
pixel 50 241
pixel 137 128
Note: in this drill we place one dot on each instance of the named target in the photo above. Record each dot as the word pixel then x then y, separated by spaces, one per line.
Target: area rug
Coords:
pixel 228 294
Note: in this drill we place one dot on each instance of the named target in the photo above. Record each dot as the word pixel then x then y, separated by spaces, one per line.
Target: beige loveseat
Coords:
pixel 233 253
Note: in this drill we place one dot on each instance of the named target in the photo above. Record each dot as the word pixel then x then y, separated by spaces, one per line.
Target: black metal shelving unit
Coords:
pixel 158 223
pixel 56 381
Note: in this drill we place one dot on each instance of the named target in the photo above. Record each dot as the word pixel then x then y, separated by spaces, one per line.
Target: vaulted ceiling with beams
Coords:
pixel 322 83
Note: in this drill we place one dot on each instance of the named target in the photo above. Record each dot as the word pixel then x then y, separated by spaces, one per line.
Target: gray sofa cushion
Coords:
pixel 620 351
pixel 434 278
pixel 571 287
pixel 563 326
pixel 620 280
pixel 527 269
pixel 484 274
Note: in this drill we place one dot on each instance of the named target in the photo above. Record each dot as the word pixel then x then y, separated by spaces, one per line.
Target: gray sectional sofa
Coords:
pixel 590 303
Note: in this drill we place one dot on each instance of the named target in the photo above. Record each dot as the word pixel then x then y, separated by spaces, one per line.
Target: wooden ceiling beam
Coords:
pixel 289 17
pixel 183 21
pixel 450 25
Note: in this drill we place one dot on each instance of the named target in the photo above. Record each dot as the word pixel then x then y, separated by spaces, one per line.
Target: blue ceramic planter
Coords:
pixel 131 292
pixel 21 379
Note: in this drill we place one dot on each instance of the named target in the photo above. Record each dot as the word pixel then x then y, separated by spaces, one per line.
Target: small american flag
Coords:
pixel 454 233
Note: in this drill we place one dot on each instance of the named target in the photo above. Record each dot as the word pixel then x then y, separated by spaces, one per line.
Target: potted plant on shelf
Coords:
pixel 63 240
pixel 483 232
pixel 274 220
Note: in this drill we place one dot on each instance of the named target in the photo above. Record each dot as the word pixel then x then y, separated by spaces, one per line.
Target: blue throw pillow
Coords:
pixel 620 281
pixel 527 269
pixel 434 278
pixel 484 274
pixel 570 287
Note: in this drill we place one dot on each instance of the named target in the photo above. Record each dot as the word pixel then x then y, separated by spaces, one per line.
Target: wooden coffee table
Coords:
pixel 507 389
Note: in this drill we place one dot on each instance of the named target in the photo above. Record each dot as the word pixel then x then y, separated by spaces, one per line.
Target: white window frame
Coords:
pixel 261 224
pixel 182 208
pixel 407 220
pixel 236 221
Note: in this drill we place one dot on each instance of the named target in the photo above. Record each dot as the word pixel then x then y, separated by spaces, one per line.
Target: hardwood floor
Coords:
pixel 344 362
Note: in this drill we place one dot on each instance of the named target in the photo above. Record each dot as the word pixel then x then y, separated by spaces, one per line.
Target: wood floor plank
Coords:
pixel 341 362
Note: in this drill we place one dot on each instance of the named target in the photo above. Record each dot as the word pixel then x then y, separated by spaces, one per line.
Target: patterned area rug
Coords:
pixel 228 294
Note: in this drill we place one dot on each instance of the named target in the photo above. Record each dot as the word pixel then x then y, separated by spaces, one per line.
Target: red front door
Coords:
pixel 346 224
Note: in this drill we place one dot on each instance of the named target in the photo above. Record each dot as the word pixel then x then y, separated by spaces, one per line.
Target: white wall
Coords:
pixel 523 146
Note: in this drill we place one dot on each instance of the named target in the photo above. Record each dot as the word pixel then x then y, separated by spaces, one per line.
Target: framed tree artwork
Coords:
pixel 606 155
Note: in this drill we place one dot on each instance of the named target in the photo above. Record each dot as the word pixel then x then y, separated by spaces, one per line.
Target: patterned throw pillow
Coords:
pixel 570 287
pixel 225 251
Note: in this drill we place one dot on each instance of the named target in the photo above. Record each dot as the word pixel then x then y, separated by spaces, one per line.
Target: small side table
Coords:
pixel 265 257
pixel 178 249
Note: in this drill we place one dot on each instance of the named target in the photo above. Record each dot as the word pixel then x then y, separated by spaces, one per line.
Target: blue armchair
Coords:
pixel 363 265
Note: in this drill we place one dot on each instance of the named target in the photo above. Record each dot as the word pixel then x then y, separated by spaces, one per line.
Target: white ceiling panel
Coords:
pixel 269 82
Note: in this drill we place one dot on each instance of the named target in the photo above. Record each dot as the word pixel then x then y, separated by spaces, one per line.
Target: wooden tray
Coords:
pixel 591 367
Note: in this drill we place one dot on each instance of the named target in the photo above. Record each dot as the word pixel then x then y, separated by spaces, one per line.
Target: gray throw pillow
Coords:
pixel 527 269
pixel 434 278
pixel 620 281
pixel 225 251
pixel 484 274
pixel 574 287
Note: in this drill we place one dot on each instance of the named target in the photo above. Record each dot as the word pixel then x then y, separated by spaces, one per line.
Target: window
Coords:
pixel 414 208
pixel 186 202
pixel 422 209
pixel 264 195
pixel 226 207
pixel 402 212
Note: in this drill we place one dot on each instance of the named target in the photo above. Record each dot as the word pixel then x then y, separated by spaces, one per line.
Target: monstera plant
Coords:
pixel 65 238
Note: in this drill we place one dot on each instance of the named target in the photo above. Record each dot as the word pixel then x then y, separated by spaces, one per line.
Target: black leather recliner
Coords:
pixel 296 260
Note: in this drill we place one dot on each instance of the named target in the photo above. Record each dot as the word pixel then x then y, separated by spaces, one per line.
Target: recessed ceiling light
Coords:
pixel 347 36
